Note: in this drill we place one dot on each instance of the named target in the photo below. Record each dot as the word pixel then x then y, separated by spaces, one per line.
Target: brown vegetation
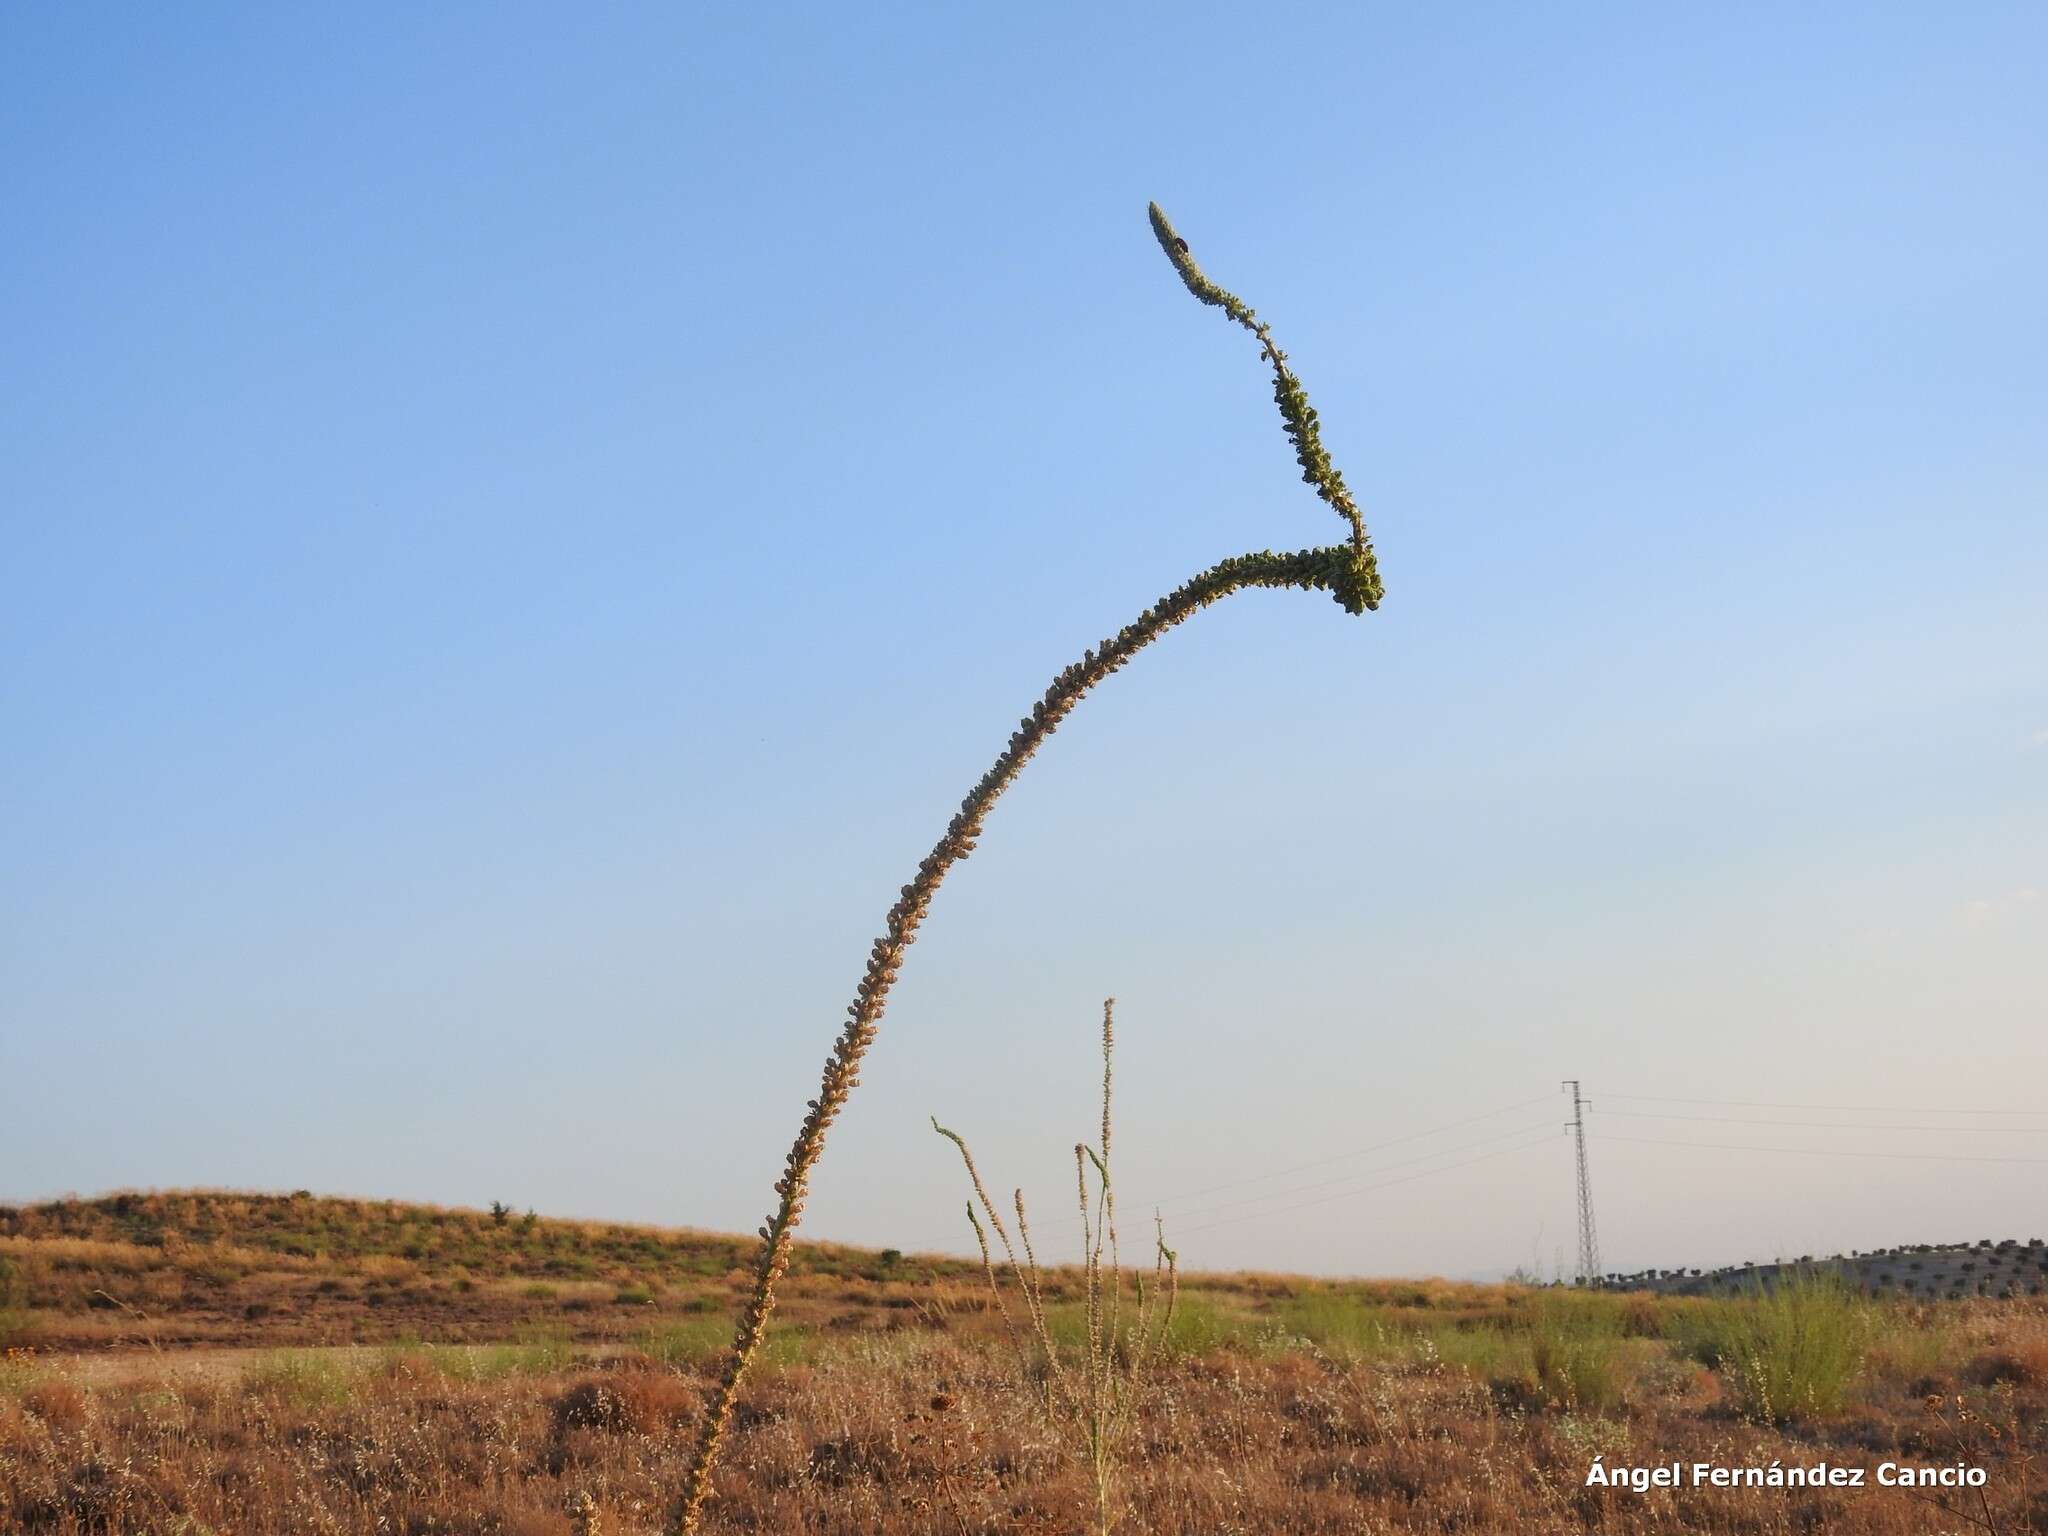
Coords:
pixel 189 1268
pixel 920 1432
pixel 890 1402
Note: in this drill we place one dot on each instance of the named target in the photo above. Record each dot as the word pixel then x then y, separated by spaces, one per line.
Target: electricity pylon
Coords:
pixel 1589 1238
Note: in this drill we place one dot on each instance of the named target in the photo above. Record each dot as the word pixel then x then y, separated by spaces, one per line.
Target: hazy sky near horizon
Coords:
pixel 517 525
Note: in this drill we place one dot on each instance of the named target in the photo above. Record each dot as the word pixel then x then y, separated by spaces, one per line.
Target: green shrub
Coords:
pixel 1709 1334
pixel 1791 1350
pixel 1803 1345
pixel 1576 1354
pixel 1492 1353
pixel 700 1339
pixel 13 1299
pixel 1345 1327
pixel 1200 1327
pixel 539 1353
pixel 304 1378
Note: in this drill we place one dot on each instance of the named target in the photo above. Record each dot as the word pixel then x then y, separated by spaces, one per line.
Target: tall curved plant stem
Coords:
pixel 1347 571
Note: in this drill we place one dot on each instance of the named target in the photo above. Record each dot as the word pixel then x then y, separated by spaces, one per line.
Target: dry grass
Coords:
pixel 922 1432
pixel 1090 1391
pixel 888 1399
pixel 184 1269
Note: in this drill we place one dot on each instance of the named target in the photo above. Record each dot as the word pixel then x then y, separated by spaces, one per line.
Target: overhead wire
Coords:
pixel 1339 1157
pixel 1303 1189
pixel 1339 1193
pixel 1847 1109
pixel 1731 1146
pixel 1324 1162
pixel 1827 1125
pixel 1426 1173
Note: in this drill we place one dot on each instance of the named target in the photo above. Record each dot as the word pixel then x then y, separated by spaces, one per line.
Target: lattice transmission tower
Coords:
pixel 1589 1236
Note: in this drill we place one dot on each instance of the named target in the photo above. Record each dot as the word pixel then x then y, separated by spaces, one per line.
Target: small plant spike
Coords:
pixel 1089 1402
pixel 1347 572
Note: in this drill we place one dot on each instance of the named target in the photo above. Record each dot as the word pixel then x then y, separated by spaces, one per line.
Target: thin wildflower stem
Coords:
pixel 1348 572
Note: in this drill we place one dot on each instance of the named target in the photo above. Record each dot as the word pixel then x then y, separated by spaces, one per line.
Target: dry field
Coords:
pixel 210 1363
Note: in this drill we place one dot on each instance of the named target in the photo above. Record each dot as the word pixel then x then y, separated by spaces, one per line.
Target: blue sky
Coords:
pixel 519 525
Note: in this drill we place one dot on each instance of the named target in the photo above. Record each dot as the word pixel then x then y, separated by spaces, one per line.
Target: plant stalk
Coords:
pixel 1346 571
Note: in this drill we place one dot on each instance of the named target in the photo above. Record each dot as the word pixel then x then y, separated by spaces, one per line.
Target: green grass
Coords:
pixel 537 1353
pixel 695 1340
pixel 1491 1353
pixel 1345 1327
pixel 306 1378
pixel 1201 1325
pixel 690 1342
pixel 1406 1330
pixel 1707 1334
pixel 1568 1349
pixel 1908 1349
pixel 1576 1354
pixel 1802 1348
pixel 1790 1351
pixel 14 1325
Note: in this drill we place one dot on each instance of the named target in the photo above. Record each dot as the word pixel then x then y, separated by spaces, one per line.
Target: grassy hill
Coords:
pixel 320 1229
pixel 213 1266
pixel 210 1267
pixel 216 1267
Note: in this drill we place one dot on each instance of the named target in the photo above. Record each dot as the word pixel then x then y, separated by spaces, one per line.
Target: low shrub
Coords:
pixel 1576 1354
pixel 59 1404
pixel 303 1378
pixel 629 1402
pixel 687 1343
pixel 1794 1350
pixel 2023 1364
pixel 1344 1327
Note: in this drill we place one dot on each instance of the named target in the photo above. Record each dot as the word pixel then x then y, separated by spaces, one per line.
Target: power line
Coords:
pixel 1485 1157
pixel 1836 1125
pixel 1324 1162
pixel 1909 1157
pixel 1281 1194
pixel 1847 1109
pixel 1649 1141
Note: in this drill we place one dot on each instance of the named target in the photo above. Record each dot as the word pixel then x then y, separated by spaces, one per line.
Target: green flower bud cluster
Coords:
pixel 1361 587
